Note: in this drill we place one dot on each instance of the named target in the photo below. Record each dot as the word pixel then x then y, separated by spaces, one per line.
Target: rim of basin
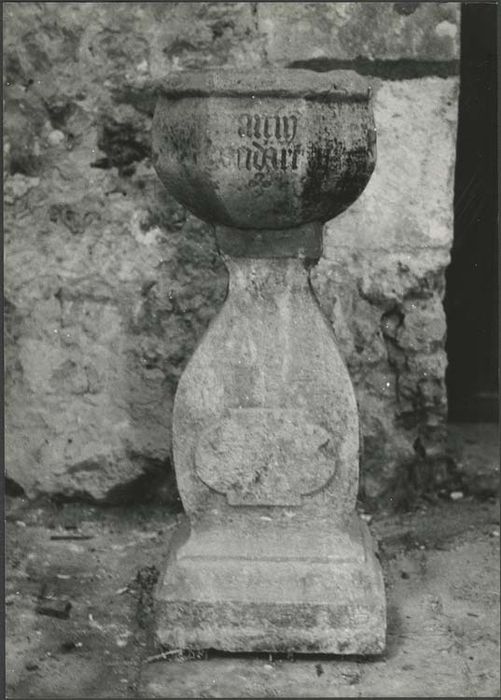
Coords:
pixel 331 86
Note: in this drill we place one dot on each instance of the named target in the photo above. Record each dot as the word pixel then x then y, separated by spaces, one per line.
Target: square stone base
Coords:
pixel 273 589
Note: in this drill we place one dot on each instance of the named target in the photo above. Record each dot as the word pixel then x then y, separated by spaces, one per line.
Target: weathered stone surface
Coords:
pixel 381 279
pixel 90 304
pixel 340 86
pixel 79 181
pixel 408 201
pixel 354 30
pixel 305 154
pixel 387 313
pixel 305 241
pixel 268 353
pixel 265 431
pixel 108 281
pixel 273 588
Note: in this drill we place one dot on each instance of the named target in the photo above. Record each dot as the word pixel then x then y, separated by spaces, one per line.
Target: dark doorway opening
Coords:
pixel 471 301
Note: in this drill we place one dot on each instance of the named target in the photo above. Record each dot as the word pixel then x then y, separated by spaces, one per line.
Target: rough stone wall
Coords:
pixel 109 283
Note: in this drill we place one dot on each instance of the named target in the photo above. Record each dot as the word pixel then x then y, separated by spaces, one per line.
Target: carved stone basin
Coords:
pixel 299 144
pixel 265 433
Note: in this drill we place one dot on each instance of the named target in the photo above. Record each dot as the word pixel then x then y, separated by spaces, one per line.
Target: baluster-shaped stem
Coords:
pixel 273 556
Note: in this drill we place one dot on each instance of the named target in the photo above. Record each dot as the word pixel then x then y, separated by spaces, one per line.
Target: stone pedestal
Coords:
pixel 266 439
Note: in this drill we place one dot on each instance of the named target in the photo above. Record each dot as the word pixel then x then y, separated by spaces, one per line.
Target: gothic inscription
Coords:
pixel 268 142
pixel 257 126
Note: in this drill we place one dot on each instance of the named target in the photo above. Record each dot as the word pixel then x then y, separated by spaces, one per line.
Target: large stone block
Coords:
pixel 360 30
pixel 93 245
pixel 386 310
pixel 408 202
pixel 101 317
pixel 382 279
pixel 102 46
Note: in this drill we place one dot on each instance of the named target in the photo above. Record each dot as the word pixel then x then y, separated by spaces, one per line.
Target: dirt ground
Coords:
pixel 441 565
